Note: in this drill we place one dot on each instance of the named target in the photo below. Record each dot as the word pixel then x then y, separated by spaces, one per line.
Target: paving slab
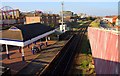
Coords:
pixel 43 59
pixel 15 62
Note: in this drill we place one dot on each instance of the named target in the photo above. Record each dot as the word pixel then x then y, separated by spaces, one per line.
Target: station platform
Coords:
pixel 43 59
pixel 32 63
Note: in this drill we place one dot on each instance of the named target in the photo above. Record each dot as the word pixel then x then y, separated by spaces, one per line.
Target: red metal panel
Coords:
pixel 105 50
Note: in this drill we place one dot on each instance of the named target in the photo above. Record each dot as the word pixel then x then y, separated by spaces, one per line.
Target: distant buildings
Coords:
pixel 82 15
pixel 108 18
pixel 49 19
pixel 67 15
pixel 15 17
pixel 112 19
pixel 117 21
pixel 32 19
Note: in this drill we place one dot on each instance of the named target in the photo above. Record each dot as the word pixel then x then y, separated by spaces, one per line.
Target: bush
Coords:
pixel 95 24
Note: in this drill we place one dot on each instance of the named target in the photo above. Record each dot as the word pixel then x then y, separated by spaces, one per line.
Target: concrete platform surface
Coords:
pixel 43 59
pixel 15 62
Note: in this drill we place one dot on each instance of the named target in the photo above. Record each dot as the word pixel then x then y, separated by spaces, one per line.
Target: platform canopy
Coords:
pixel 22 35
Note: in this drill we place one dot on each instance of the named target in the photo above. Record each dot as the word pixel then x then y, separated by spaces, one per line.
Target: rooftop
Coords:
pixel 25 32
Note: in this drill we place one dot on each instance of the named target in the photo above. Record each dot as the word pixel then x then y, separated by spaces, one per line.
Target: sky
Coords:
pixel 60 0
pixel 90 8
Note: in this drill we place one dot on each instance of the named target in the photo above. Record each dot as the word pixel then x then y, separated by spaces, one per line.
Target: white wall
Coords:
pixel 109 19
pixel 63 27
pixel 117 22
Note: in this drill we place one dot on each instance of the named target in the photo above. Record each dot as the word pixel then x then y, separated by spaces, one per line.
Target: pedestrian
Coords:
pixel 33 50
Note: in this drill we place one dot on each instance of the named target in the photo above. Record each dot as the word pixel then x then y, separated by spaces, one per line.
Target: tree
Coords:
pixel 52 25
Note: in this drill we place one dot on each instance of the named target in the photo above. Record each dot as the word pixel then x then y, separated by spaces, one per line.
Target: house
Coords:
pixel 108 18
pixel 111 19
pixel 117 22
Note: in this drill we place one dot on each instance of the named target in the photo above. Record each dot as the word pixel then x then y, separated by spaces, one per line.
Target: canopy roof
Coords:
pixel 26 33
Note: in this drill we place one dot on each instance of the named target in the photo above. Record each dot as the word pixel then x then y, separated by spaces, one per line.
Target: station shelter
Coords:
pixel 24 35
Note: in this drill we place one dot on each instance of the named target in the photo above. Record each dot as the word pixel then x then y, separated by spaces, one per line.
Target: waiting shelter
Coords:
pixel 24 35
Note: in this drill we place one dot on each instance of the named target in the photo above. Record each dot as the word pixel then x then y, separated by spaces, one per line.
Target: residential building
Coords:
pixel 110 19
pixel 49 19
pixel 34 19
pixel 67 15
pixel 117 22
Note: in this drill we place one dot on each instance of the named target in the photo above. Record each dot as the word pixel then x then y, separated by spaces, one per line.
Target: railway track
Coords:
pixel 62 62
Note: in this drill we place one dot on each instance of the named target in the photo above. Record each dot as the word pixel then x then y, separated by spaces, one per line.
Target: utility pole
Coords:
pixel 62 12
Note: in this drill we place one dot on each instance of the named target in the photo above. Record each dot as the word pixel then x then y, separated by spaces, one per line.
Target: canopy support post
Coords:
pixel 40 45
pixel 49 38
pixel 23 56
pixel 8 56
pixel 46 41
pixel 19 49
pixel 58 37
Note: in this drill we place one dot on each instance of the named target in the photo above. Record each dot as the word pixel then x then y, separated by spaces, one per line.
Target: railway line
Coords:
pixel 62 62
